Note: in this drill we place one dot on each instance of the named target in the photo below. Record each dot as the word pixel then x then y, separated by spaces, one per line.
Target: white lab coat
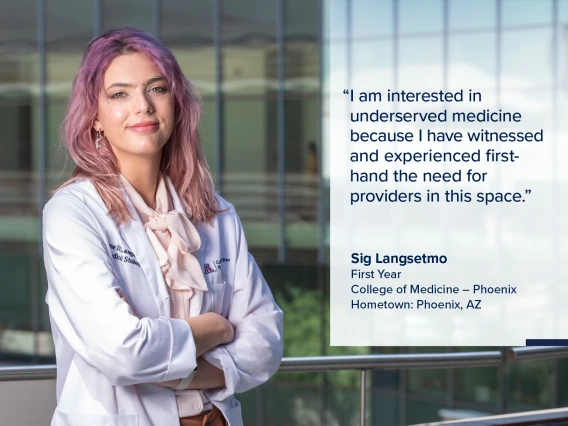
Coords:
pixel 107 358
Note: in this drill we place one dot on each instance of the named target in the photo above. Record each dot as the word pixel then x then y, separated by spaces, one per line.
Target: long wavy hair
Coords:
pixel 182 157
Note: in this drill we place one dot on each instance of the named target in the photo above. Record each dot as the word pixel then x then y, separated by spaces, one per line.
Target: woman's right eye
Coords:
pixel 118 95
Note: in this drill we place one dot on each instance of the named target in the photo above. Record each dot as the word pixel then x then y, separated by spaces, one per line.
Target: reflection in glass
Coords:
pixel 562 11
pixel 562 382
pixel 477 387
pixel 249 53
pixel 19 189
pixel 472 61
pixel 127 13
pixel 472 14
pixel 526 60
pixel 432 381
pixel 302 126
pixel 526 12
pixel 64 50
pixel 187 30
pixel 372 19
pixel 417 16
pixel 421 65
pixel 374 61
pixel 529 386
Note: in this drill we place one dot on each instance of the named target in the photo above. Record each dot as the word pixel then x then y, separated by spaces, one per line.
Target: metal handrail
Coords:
pixel 363 363
pixel 320 364
pixel 540 417
pixel 391 362
pixel 537 353
pixel 28 372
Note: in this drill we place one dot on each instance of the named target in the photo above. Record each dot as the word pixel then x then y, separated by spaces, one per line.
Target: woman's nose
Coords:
pixel 144 104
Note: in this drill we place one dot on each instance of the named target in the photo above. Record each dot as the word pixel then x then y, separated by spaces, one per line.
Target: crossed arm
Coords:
pixel 128 350
pixel 209 330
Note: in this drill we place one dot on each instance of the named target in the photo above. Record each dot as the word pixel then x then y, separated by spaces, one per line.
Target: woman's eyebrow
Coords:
pixel 152 80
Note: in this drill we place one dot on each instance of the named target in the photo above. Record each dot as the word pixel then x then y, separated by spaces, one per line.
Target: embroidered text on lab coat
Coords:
pixel 123 254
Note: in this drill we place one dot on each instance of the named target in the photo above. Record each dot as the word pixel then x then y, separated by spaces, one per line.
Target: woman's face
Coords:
pixel 136 108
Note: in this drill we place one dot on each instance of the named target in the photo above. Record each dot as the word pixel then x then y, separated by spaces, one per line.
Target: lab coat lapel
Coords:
pixel 197 298
pixel 134 235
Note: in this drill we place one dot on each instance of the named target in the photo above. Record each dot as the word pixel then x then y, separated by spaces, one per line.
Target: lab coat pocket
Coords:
pixel 216 297
pixel 62 418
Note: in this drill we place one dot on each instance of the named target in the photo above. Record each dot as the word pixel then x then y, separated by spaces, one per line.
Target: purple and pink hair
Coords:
pixel 182 158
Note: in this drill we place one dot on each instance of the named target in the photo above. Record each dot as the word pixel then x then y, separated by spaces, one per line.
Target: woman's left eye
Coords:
pixel 158 89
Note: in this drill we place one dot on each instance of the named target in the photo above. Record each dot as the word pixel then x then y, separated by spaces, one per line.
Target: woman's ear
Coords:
pixel 97 126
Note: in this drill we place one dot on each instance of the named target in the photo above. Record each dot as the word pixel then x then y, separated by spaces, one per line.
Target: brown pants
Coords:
pixel 210 418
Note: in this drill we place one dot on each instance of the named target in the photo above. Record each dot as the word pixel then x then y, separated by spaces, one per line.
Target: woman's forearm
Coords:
pixel 207 376
pixel 210 330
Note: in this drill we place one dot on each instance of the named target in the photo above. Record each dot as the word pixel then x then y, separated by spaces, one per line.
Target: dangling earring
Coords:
pixel 98 139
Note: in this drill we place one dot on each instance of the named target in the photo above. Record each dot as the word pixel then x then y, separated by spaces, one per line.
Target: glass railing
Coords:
pixel 364 365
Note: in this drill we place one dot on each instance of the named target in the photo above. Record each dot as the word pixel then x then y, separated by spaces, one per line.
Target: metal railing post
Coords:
pixel 363 392
pixel 260 406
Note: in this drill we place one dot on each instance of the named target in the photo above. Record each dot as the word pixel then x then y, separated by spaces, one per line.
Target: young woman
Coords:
pixel 159 313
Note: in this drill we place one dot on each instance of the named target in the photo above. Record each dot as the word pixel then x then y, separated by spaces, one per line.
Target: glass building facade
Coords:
pixel 261 69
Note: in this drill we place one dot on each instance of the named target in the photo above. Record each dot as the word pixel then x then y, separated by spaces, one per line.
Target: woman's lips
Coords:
pixel 145 128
